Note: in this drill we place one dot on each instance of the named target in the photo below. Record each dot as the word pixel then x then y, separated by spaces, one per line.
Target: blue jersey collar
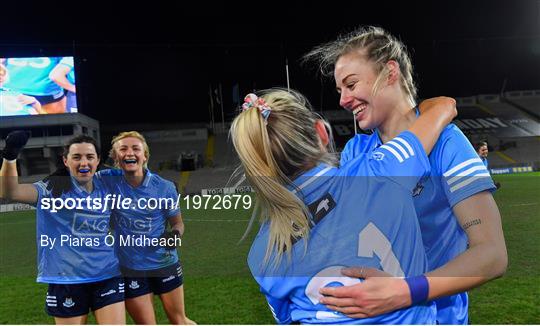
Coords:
pixel 146 181
pixel 147 177
pixel 79 189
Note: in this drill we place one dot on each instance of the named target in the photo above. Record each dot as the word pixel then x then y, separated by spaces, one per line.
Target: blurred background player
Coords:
pixel 81 277
pixel 64 75
pixel 30 76
pixel 483 151
pixel 307 203
pixel 459 219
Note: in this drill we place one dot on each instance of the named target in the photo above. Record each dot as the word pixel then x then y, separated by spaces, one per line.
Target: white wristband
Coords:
pixel 10 161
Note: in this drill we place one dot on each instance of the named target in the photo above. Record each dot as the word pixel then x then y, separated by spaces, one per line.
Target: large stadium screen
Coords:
pixel 38 85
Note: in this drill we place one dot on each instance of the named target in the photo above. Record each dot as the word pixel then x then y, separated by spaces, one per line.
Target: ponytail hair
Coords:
pixel 273 150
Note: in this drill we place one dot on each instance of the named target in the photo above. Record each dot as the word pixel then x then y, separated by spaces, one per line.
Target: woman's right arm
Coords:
pixel 11 189
pixel 436 114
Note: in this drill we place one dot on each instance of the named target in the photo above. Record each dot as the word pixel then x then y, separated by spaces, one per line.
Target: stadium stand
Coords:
pixel 49 133
pixel 224 151
pixel 528 101
pixel 509 123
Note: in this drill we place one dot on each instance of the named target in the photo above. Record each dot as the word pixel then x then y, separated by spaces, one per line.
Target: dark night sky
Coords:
pixel 155 63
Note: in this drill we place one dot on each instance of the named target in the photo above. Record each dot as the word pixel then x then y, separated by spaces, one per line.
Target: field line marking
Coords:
pixel 524 204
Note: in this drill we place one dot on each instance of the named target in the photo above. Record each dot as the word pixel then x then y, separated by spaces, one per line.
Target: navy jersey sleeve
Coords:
pixel 463 172
pixel 402 160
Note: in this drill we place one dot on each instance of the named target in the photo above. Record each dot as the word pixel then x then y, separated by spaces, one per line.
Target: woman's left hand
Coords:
pixel 379 293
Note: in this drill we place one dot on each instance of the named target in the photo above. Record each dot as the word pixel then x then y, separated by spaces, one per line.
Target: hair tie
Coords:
pixel 252 101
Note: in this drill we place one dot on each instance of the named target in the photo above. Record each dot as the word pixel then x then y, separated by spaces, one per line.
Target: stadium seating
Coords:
pixel 528 100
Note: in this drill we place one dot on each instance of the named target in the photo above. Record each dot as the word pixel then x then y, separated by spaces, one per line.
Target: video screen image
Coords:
pixel 39 85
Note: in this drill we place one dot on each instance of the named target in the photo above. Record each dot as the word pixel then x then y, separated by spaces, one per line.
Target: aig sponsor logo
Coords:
pixel 135 225
pixel 90 225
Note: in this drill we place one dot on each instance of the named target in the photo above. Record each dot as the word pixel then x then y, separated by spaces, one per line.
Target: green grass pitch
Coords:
pixel 219 288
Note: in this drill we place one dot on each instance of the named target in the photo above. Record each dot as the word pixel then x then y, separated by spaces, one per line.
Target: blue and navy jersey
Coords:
pixel 10 105
pixel 31 76
pixel 456 174
pixel 359 217
pixel 142 219
pixel 80 254
pixel 68 62
pixel 485 162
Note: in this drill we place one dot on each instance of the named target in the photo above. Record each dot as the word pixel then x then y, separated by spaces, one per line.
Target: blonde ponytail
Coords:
pixel 274 151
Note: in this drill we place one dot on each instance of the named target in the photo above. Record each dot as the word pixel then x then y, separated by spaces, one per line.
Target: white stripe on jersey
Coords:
pixel 401 149
pixel 468 181
pixel 313 178
pixel 406 144
pixel 394 152
pixel 462 165
pixel 466 173
pixel 42 185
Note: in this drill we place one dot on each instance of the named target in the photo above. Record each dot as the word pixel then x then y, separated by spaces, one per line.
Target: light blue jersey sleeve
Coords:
pixel 41 188
pixel 110 178
pixel 463 172
pixel 402 160
pixel 354 147
pixel 68 61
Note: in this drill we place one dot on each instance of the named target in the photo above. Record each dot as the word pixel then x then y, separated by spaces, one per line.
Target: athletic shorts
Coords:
pixel 70 300
pixel 157 281
pixel 46 99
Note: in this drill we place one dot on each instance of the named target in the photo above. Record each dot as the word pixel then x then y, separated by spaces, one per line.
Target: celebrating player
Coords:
pixel 460 221
pixel 73 256
pixel 318 218
pixel 483 151
pixel 147 270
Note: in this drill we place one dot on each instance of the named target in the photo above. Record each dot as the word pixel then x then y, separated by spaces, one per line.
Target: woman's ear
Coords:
pixel 320 128
pixel 393 71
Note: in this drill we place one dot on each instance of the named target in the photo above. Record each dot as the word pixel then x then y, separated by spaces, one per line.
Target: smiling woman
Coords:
pixel 81 276
pixel 149 269
pixel 373 74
